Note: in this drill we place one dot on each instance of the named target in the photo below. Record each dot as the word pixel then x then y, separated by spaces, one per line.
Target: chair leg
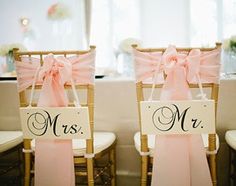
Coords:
pixel 233 166
pixel 90 172
pixel 112 157
pixel 229 168
pixel 20 158
pixel 144 169
pixel 27 169
pixel 212 161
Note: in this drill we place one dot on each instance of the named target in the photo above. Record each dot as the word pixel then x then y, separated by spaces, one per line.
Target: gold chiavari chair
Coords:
pixel 88 170
pixel 230 138
pixel 11 136
pixel 145 143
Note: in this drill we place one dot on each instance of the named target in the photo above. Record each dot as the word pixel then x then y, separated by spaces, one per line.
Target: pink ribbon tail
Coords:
pixel 179 160
pixel 54 163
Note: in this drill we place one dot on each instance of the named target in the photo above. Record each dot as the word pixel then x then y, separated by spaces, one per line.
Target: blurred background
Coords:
pixel 112 24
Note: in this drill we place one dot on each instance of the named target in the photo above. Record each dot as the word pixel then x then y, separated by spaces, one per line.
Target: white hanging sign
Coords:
pixel 55 122
pixel 178 117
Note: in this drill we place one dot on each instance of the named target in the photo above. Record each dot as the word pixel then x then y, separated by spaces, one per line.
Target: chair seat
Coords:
pixel 10 139
pixel 151 142
pixel 102 140
pixel 230 137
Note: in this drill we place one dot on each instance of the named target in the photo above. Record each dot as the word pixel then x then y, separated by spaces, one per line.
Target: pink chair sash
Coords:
pixel 82 69
pixel 179 160
pixel 54 163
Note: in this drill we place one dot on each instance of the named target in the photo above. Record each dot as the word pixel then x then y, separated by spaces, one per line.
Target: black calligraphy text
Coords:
pixel 166 117
pixel 40 122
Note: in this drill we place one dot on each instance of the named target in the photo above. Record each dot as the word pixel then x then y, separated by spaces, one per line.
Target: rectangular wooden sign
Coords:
pixel 178 117
pixel 55 122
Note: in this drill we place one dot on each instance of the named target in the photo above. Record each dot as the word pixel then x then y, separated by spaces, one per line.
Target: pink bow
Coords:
pixel 206 64
pixel 175 86
pixel 83 69
pixel 54 73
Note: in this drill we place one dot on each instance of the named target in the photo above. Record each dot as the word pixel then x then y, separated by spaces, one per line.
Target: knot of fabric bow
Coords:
pixel 57 69
pixel 54 73
pixel 175 86
pixel 171 60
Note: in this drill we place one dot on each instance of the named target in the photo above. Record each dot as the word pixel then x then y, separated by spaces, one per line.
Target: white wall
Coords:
pixel 165 22
pixel 46 34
